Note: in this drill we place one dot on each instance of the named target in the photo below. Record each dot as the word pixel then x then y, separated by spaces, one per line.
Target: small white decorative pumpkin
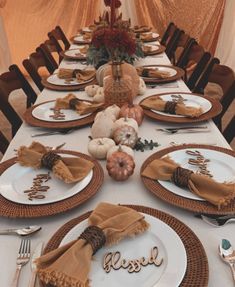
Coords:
pixel 99 96
pixel 114 109
pixel 99 147
pixel 102 127
pixel 122 148
pixel 125 135
pixel 91 90
pixel 103 113
pixel 142 87
pixel 126 121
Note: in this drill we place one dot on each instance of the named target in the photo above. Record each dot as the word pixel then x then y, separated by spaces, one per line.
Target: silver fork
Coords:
pixel 186 129
pixel 218 221
pixel 22 258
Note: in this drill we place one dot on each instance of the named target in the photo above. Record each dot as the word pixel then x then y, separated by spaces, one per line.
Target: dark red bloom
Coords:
pixel 117 3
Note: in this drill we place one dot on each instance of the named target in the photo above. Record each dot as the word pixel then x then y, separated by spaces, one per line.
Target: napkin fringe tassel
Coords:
pixel 59 279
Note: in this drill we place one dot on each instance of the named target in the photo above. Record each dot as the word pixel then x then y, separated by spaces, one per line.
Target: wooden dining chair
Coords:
pixel 47 50
pixel 169 32
pixel 33 65
pixel 229 131
pixel 194 60
pixel 59 40
pixel 171 42
pixel 3 143
pixel 9 82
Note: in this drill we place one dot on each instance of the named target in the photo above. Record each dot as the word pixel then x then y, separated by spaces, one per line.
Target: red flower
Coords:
pixel 117 3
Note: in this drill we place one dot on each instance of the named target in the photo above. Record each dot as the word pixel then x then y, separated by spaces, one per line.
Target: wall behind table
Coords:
pixel 27 22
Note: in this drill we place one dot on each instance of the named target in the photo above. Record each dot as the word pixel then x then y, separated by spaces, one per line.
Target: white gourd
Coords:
pixel 102 127
pixel 142 87
pixel 99 147
pixel 91 90
pixel 114 109
pixel 99 96
pixel 122 148
pixel 125 121
pixel 103 113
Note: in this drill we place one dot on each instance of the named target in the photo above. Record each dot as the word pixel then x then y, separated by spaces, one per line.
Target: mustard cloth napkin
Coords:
pixel 152 73
pixel 148 36
pixel 156 103
pixel 69 265
pixel 82 107
pixel 80 75
pixel 218 194
pixel 68 169
pixel 148 48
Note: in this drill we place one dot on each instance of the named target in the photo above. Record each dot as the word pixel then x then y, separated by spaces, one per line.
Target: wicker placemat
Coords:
pixel 197 271
pixel 160 50
pixel 84 42
pixel 190 204
pixel 179 74
pixel 15 210
pixel 78 58
pixel 214 111
pixel 31 120
pixel 78 87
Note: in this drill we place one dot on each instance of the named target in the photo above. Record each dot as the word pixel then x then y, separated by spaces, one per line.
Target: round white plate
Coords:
pixel 221 166
pixel 53 79
pixel 79 38
pixel 16 179
pixel 170 248
pixel 153 47
pixel 86 29
pixel 43 113
pixel 172 72
pixel 74 52
pixel 191 100
pixel 154 35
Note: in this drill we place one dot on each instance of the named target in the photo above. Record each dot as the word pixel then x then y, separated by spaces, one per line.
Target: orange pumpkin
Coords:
pixel 120 166
pixel 132 111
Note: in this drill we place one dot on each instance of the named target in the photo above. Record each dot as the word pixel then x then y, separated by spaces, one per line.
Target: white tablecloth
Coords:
pixel 130 192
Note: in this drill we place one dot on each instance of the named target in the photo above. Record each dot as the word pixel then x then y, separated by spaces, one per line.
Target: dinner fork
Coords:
pixel 218 221
pixel 176 130
pixel 49 133
pixel 22 259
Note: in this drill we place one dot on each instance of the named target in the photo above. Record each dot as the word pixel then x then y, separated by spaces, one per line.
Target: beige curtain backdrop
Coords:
pixel 201 19
pixel 226 45
pixel 27 22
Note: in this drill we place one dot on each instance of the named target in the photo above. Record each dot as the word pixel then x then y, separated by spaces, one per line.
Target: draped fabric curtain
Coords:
pixel 27 22
pixel 201 19
pixel 226 45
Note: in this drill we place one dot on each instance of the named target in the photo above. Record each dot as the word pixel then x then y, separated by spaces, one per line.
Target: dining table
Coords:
pixel 131 191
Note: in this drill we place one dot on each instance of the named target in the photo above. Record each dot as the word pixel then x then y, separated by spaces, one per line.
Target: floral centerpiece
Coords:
pixel 113 41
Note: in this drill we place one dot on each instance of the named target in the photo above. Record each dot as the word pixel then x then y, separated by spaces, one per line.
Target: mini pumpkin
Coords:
pixel 91 90
pixel 99 96
pixel 103 113
pixel 102 127
pixel 123 148
pixel 142 87
pixel 125 135
pixel 126 121
pixel 132 111
pixel 99 147
pixel 120 166
pixel 114 109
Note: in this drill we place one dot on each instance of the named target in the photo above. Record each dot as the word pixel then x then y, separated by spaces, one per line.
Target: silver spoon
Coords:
pixel 21 231
pixel 227 254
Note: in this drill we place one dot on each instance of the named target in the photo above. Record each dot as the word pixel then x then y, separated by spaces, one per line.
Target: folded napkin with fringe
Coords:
pixel 72 102
pixel 218 194
pixel 69 265
pixel 149 48
pixel 84 49
pixel 68 169
pixel 177 108
pixel 80 75
pixel 152 73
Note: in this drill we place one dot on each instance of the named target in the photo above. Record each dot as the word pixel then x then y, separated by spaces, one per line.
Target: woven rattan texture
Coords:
pixel 197 264
pixel 214 111
pixel 14 210
pixel 182 202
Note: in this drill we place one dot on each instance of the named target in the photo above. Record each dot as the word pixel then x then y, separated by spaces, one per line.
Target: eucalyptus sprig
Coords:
pixel 145 145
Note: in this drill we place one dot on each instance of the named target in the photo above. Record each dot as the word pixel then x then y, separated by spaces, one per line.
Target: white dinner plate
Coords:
pixel 154 35
pixel 172 72
pixel 43 113
pixel 17 178
pixel 221 166
pixel 74 53
pixel 80 38
pixel 191 100
pixel 53 79
pixel 87 29
pixel 170 248
pixel 154 48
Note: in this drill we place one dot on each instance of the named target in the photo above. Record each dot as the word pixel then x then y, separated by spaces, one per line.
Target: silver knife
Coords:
pixel 37 253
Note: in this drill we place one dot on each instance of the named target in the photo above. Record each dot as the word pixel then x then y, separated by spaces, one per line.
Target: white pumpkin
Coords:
pixel 126 121
pixel 102 127
pixel 100 74
pixel 99 147
pixel 122 148
pixel 103 113
pixel 99 96
pixel 142 87
pixel 114 109
pixel 91 90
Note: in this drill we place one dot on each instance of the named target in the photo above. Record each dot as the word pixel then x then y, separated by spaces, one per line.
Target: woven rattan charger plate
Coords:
pixel 84 42
pixel 190 204
pixel 77 87
pixel 197 264
pixel 214 111
pixel 179 74
pixel 31 120
pixel 160 50
pixel 14 210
